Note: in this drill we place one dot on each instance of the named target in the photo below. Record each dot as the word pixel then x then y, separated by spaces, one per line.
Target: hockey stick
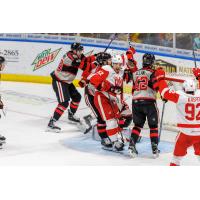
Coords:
pixel 161 121
pixel 194 58
pixel 112 38
pixel 193 52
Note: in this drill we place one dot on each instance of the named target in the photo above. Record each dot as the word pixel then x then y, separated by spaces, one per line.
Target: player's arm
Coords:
pixel 99 80
pixel 131 63
pixel 86 74
pixel 164 90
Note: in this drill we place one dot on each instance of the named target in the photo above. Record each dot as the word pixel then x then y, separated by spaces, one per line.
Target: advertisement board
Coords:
pixel 32 57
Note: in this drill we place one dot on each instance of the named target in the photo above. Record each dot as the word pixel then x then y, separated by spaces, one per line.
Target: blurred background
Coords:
pixel 186 41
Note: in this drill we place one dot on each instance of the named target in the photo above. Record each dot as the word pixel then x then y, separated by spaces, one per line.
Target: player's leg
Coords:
pixel 75 100
pixel 62 94
pixel 180 150
pixel 196 146
pixel 108 113
pixel 138 119
pixel 152 118
pixel 125 116
pixel 101 124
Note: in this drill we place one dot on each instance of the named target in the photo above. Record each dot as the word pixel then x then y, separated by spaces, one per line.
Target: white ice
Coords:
pixel 29 107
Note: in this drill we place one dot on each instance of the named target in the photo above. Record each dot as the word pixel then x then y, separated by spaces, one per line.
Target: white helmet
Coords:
pixel 189 86
pixel 111 52
pixel 117 59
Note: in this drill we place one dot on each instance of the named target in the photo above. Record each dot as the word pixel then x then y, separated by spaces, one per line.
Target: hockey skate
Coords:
pixel 132 149
pixel 1 146
pixel 2 139
pixel 106 144
pixel 88 119
pixel 118 146
pixel 52 128
pixel 155 150
pixel 72 118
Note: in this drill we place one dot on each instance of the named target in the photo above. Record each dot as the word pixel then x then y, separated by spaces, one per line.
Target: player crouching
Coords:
pixel 188 115
pixel 108 82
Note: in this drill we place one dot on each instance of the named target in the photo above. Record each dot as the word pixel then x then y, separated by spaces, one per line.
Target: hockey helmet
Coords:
pixel 117 59
pixel 102 57
pixel 189 86
pixel 148 60
pixel 76 46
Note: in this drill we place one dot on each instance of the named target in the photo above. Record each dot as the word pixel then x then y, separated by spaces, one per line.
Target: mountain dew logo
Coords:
pixel 45 58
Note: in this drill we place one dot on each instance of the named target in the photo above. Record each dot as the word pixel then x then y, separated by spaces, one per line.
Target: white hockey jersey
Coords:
pixel 187 108
pixel 107 73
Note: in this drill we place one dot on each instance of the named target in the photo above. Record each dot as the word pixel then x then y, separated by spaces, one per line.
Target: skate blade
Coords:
pixel 52 130
pixel 132 154
pixel 73 122
pixel 112 150
pixel 88 130
pixel 107 148
pixel 156 155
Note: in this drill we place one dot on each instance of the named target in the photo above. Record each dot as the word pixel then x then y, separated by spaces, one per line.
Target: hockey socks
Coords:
pixel 135 133
pixel 101 128
pixel 60 109
pixel 74 106
pixel 154 135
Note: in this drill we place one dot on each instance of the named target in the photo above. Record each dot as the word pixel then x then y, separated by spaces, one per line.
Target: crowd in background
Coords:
pixel 186 41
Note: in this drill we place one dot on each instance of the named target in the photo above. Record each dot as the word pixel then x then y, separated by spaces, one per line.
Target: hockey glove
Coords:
pixel 104 86
pixel 130 52
pixel 82 83
pixel 165 100
pixel 196 72
pixel 160 74
pixel 116 90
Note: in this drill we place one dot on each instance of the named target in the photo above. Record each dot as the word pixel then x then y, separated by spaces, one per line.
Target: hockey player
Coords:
pixel 109 82
pixel 2 65
pixel 65 90
pixel 188 115
pixel 101 60
pixel 125 113
pixel 144 105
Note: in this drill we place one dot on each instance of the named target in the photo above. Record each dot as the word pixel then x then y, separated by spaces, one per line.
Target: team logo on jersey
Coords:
pixel 44 58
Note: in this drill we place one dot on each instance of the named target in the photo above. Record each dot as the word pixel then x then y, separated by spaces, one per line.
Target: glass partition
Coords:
pixel 186 41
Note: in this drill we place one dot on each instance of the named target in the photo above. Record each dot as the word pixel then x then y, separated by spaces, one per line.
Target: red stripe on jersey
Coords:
pixel 60 91
pixel 188 125
pixel 69 55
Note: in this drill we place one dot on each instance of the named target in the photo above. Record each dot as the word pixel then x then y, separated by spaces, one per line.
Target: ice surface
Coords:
pixel 29 107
